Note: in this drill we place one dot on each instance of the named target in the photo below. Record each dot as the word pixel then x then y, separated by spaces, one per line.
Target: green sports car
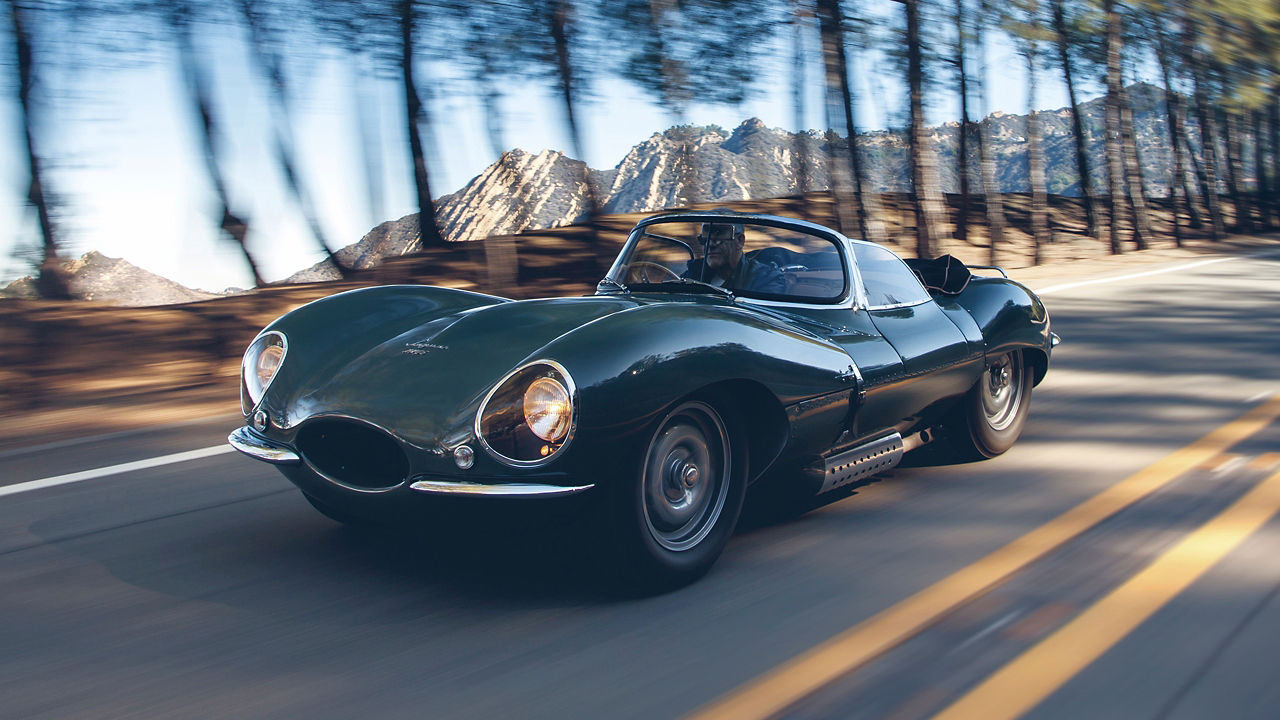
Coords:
pixel 721 352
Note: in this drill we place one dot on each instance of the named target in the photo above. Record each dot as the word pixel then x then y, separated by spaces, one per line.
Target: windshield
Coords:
pixel 744 258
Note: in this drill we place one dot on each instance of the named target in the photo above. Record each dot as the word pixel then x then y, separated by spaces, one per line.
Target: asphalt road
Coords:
pixel 209 588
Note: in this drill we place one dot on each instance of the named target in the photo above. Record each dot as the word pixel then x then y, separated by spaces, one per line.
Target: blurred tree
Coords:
pixel 1064 38
pixel 1133 172
pixel 1115 156
pixel 51 280
pixel 415 113
pixel 1173 124
pixel 264 42
pixel 198 95
pixel 1023 22
pixel 992 197
pixel 1193 60
pixel 799 146
pixel 963 168
pixel 561 20
pixel 925 193
pixel 1230 120
pixel 1260 165
pixel 832 27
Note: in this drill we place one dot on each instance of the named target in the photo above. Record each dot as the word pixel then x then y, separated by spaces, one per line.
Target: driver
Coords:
pixel 724 264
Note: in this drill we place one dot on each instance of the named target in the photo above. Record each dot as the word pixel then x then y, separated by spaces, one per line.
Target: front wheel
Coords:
pixel 995 409
pixel 678 516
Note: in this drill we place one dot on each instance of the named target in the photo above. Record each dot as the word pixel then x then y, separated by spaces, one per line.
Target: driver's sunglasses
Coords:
pixel 711 242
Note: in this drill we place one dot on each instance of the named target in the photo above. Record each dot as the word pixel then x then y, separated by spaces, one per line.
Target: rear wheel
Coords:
pixel 678 516
pixel 991 417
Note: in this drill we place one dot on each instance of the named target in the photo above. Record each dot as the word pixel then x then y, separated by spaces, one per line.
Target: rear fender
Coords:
pixel 1011 317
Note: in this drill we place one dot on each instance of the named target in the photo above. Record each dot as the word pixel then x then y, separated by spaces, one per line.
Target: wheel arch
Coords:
pixel 757 419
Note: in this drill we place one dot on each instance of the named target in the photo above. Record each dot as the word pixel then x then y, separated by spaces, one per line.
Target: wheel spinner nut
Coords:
pixel 690 476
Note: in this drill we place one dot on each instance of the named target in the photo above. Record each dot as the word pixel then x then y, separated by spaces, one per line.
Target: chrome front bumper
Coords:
pixel 255 447
pixel 525 490
pixel 250 444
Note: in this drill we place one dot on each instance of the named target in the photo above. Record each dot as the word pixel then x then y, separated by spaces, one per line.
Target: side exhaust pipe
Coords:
pixel 866 460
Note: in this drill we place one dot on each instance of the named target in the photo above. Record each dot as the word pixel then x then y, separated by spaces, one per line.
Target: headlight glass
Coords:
pixel 261 363
pixel 547 409
pixel 529 416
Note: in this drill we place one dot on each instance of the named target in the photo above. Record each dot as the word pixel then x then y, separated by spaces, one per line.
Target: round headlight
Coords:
pixel 528 417
pixel 547 409
pixel 261 363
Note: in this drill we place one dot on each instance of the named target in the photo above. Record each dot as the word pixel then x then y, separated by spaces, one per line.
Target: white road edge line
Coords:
pixel 1255 398
pixel 1159 271
pixel 115 469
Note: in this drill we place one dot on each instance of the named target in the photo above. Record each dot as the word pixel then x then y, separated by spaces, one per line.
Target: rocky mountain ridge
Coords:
pixel 687 164
pixel 113 281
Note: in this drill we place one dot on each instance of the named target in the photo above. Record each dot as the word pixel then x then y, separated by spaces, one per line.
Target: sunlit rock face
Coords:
pixel 519 191
pixel 94 276
pixel 692 164
pixel 682 165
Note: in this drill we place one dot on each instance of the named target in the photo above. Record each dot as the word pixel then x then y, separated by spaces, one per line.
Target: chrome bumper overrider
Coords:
pixel 255 447
pixel 450 487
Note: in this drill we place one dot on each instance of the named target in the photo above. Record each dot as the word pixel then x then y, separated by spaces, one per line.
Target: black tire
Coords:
pixel 675 517
pixel 335 514
pixel 993 412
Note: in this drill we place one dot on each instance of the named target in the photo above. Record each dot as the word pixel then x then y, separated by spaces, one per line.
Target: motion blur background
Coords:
pixel 231 143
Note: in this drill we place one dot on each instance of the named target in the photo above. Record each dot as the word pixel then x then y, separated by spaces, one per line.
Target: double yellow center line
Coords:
pixel 775 691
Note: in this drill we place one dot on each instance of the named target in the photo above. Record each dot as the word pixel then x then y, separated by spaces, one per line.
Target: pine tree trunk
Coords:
pixel 1263 193
pixel 992 197
pixel 559 21
pixel 962 151
pixel 1133 175
pixel 1273 121
pixel 1235 174
pixel 51 280
pixel 1200 177
pixel 1174 127
pixel 924 170
pixel 869 226
pixel 1115 157
pixel 282 127
pixel 1208 143
pixel 233 225
pixel 1077 125
pixel 428 231
pixel 1035 159
pixel 1173 122
pixel 799 150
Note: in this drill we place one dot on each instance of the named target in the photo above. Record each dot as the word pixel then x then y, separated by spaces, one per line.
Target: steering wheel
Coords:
pixel 645 272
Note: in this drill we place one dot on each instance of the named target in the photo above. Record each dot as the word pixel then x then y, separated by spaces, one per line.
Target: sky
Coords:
pixel 124 156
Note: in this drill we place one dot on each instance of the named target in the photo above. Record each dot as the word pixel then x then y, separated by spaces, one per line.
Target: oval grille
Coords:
pixel 353 453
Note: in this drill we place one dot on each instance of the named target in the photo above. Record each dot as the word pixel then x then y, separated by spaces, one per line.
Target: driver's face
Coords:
pixel 724 249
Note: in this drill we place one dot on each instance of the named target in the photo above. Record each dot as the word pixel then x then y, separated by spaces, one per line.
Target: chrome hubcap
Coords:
pixel 686 476
pixel 1002 390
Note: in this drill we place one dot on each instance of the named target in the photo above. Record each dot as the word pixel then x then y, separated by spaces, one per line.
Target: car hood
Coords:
pixel 426 383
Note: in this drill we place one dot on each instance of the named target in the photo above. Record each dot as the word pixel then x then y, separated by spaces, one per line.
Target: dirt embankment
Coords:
pixel 75 369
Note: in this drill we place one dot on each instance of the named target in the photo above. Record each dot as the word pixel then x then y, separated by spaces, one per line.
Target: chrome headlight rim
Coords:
pixel 566 380
pixel 253 352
